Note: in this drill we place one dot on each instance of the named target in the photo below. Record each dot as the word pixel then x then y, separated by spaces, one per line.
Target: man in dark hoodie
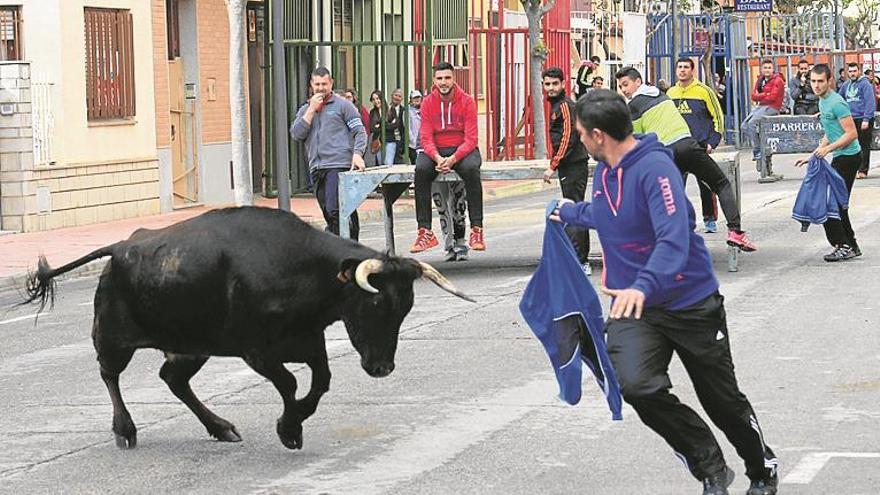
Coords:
pixel 653 111
pixel 858 92
pixel 449 140
pixel 569 159
pixel 665 298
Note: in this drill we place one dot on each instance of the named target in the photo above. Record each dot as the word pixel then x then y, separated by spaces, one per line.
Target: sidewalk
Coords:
pixel 19 252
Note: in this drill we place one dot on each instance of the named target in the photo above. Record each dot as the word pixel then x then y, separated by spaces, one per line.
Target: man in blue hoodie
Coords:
pixel 665 298
pixel 858 92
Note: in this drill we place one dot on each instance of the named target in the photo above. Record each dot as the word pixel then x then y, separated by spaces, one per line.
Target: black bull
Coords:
pixel 256 283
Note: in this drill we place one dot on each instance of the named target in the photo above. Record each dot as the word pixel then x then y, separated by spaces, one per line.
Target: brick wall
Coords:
pixel 214 64
pixel 160 77
pixel 46 197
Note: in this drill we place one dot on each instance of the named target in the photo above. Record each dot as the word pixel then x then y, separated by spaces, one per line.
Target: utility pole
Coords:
pixel 279 108
pixel 675 40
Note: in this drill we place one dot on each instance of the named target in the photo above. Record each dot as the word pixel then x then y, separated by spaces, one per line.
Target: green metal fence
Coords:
pixel 367 45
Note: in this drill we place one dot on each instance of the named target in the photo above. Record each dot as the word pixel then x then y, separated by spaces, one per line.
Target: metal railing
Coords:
pixel 43 119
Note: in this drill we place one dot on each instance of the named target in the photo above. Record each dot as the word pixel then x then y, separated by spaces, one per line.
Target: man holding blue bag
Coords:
pixel 841 139
pixel 665 298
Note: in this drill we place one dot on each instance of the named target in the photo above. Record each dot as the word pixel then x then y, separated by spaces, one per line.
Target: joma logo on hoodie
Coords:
pixel 668 198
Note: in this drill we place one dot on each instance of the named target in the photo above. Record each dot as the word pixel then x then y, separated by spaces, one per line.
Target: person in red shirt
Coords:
pixel 768 93
pixel 449 140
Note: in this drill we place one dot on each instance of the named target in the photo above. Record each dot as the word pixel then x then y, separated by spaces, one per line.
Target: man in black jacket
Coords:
pixel 805 100
pixel 569 156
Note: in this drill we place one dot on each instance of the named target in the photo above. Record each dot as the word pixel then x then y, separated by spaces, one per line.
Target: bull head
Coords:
pixel 373 313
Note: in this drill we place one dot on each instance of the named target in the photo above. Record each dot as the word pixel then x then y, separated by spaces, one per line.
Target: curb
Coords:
pixel 10 283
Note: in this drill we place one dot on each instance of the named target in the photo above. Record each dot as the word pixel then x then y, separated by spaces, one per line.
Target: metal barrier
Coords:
pixel 732 44
pixel 788 134
pixel 355 186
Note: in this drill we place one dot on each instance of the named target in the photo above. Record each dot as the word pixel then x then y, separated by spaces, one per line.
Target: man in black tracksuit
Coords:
pixel 569 156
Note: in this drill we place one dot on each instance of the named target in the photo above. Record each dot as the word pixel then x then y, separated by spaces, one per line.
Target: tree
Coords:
pixel 243 188
pixel 535 12
pixel 858 28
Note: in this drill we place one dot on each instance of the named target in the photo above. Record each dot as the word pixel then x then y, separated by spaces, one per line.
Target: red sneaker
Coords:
pixel 424 241
pixel 476 242
pixel 740 240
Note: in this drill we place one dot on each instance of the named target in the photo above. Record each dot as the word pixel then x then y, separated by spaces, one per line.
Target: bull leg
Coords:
pixel 289 426
pixel 176 372
pixel 320 385
pixel 112 364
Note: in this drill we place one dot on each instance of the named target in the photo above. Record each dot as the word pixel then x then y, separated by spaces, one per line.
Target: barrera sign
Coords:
pixel 753 5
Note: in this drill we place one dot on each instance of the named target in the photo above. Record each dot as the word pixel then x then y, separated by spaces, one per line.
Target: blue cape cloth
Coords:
pixel 821 196
pixel 563 310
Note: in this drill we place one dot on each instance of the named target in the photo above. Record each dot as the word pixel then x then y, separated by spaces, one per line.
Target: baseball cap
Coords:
pixel 415 94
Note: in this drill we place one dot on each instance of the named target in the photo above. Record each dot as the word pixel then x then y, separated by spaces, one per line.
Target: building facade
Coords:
pixel 77 123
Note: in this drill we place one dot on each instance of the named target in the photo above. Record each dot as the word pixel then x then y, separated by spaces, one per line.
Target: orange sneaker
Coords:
pixel 424 241
pixel 476 242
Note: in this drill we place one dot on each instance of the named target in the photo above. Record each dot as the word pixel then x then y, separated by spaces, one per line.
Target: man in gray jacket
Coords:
pixel 335 141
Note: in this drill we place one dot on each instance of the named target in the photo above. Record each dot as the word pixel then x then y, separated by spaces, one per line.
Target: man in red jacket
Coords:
pixel 449 140
pixel 768 94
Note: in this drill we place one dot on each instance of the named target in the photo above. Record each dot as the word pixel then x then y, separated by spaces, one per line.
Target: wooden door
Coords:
pixel 184 169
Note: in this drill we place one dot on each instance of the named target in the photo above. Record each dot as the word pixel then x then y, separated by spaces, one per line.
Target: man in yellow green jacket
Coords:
pixel 654 112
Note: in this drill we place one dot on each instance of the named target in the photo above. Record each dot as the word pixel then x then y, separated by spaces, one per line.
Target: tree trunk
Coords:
pixel 243 189
pixel 537 55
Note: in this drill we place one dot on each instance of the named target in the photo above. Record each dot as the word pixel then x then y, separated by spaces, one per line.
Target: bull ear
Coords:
pixel 346 269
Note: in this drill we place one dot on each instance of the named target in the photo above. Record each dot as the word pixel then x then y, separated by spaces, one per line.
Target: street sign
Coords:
pixel 753 5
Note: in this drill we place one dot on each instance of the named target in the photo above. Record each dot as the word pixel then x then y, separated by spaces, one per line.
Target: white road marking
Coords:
pixel 427 447
pixel 812 463
pixel 22 318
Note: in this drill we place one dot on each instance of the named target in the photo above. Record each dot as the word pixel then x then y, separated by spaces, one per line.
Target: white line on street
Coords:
pixel 22 318
pixel 425 448
pixel 812 463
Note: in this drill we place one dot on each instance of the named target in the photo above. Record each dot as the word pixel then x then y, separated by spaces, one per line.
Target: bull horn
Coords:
pixel 363 271
pixel 431 273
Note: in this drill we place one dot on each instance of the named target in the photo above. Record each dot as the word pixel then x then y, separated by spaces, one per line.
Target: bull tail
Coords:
pixel 40 285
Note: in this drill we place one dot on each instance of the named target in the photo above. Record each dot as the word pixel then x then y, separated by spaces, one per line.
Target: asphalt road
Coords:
pixel 471 405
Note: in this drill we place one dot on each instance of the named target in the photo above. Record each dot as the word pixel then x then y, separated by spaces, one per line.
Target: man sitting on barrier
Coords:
pixel 449 141
pixel 768 93
pixel 653 111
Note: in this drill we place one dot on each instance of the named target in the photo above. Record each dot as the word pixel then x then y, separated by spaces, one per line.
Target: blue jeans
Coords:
pixel 750 127
pixel 390 150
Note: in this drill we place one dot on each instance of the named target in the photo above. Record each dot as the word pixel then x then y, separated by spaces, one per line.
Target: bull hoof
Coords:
pixel 290 435
pixel 126 442
pixel 227 435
